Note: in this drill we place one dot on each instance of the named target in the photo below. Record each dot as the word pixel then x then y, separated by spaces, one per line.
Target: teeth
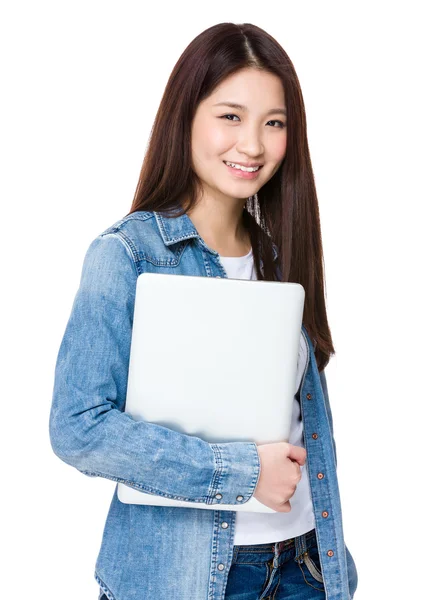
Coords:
pixel 236 166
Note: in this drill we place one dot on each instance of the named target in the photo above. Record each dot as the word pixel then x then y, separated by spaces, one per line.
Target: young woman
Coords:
pixel 226 190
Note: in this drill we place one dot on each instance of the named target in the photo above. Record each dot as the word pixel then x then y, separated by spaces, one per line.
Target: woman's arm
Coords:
pixel 88 428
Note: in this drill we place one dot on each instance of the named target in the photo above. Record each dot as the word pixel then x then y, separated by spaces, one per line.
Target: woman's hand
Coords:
pixel 279 474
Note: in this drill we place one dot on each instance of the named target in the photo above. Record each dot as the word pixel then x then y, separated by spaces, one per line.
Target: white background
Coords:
pixel 81 85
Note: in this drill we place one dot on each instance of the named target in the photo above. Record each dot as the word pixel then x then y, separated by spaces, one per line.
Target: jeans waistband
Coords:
pixel 300 543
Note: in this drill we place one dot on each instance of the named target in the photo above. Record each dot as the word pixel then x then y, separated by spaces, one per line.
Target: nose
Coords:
pixel 250 142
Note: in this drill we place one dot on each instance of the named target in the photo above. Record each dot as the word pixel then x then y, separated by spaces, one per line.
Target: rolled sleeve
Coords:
pixel 237 472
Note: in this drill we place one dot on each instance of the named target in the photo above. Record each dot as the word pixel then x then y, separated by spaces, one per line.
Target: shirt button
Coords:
pixel 314 436
pixel 221 567
pixel 320 475
pixel 325 514
pixel 218 496
pixel 239 498
pixel 224 525
pixel 308 396
pixel 330 553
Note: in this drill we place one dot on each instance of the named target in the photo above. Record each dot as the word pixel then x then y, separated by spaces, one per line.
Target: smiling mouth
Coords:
pixel 241 175
pixel 243 168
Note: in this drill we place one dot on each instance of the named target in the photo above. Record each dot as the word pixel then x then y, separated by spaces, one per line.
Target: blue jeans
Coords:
pixel 287 570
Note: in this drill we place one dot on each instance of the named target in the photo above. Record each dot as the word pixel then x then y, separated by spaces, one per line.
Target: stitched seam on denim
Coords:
pixel 142 487
pixel 214 555
pixel 118 229
pixel 228 543
pixel 273 572
pixel 135 216
pixel 132 248
pixel 265 548
pixel 158 262
pixel 306 580
pixel 313 568
pixel 216 478
pixel 127 245
pixel 271 558
pixel 267 565
pixel 138 257
pixel 266 590
pixel 181 238
pixel 255 562
pixel 253 548
pixel 301 545
pixel 176 239
pixel 206 262
pixel 303 538
pixel 256 476
pixel 218 474
pixel 329 500
pixel 277 586
pixel 104 588
pixel 325 461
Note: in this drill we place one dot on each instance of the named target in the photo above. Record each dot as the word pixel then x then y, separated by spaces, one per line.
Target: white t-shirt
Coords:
pixel 262 528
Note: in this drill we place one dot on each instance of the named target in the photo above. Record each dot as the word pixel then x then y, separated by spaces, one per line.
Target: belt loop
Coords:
pixel 304 543
pixel 301 546
pixel 277 550
pixel 297 541
pixel 235 550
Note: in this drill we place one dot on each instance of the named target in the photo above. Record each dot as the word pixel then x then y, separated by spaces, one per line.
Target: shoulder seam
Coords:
pixel 135 216
pixel 127 243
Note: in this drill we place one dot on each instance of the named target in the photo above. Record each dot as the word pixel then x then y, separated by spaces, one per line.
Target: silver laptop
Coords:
pixel 215 358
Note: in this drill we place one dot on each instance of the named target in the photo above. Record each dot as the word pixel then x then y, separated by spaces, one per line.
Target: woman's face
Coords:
pixel 255 133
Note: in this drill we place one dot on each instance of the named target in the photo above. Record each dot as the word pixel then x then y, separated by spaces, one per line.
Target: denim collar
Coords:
pixel 177 229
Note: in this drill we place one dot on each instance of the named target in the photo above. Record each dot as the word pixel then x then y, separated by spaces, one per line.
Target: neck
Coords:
pixel 221 226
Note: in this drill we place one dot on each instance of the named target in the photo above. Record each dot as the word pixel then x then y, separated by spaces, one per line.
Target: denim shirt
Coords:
pixel 156 552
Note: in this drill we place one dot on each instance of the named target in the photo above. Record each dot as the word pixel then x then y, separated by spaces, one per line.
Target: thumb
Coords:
pixel 298 454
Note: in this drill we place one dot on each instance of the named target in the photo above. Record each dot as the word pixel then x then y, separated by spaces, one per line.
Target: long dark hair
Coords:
pixel 285 210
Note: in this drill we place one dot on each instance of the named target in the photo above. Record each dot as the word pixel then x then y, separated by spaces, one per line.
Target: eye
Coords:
pixel 230 115
pixel 281 123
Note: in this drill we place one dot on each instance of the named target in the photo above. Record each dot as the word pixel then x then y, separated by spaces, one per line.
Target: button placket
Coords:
pixel 320 466
pixel 224 525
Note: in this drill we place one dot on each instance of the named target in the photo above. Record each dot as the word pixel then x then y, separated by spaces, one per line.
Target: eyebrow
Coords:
pixel 273 111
